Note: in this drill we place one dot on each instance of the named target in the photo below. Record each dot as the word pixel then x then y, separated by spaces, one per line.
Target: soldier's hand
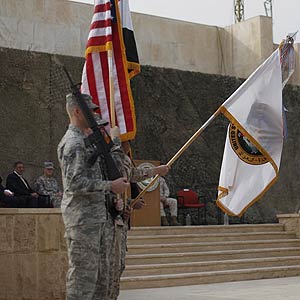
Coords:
pixel 114 132
pixel 87 131
pixel 127 213
pixel 161 170
pixel 119 205
pixel 119 185
pixel 140 204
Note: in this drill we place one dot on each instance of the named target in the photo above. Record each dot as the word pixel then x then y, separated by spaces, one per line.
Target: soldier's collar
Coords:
pixel 74 128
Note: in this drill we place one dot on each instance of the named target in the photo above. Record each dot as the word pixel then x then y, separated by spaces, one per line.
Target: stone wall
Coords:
pixel 33 255
pixel 32 107
pixel 61 27
pixel 291 223
pixel 170 106
pixel 174 105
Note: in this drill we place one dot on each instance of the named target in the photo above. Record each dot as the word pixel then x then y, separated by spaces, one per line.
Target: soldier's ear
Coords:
pixel 77 111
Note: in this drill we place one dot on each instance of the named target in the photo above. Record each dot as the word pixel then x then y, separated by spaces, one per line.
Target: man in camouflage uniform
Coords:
pixel 128 170
pixel 46 185
pixel 83 209
pixel 166 201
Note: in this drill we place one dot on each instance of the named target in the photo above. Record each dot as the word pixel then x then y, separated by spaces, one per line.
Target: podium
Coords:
pixel 149 215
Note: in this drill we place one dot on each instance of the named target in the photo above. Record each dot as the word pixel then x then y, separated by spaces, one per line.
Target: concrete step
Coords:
pixel 217 229
pixel 194 267
pixel 214 237
pixel 165 258
pixel 211 246
pixel 140 282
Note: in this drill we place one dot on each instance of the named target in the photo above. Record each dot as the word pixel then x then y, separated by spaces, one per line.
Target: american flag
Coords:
pixel 108 31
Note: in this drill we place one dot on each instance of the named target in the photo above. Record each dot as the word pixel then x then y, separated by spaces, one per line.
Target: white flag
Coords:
pixel 255 138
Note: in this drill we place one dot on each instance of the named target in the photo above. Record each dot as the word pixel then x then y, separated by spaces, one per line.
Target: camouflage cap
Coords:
pixel 70 98
pixel 48 165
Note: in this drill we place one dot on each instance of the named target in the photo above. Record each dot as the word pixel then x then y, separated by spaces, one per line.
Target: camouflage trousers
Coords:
pixel 120 246
pixel 89 249
pixel 55 201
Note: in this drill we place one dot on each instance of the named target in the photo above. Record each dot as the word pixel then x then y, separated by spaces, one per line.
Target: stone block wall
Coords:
pixel 32 108
pixel 291 223
pixel 170 106
pixel 61 27
pixel 33 255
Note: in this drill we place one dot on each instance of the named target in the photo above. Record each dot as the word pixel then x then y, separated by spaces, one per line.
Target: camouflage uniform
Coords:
pixel 133 174
pixel 47 186
pixel 84 214
pixel 171 202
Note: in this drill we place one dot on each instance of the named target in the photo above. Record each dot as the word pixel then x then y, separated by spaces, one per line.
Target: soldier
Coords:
pixel 133 174
pixel 166 201
pixel 46 185
pixel 83 208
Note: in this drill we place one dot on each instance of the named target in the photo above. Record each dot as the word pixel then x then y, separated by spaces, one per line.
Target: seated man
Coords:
pixel 16 183
pixel 46 185
pixel 165 201
pixel 7 198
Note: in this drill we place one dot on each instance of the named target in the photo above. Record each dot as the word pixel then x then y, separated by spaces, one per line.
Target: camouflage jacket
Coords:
pixel 164 189
pixel 84 188
pixel 46 186
pixel 126 166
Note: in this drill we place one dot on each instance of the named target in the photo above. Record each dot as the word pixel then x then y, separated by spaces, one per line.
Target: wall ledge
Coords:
pixel 288 216
pixel 30 211
pixel 291 223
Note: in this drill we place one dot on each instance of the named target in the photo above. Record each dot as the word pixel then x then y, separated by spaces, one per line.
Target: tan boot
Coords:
pixel 164 221
pixel 174 221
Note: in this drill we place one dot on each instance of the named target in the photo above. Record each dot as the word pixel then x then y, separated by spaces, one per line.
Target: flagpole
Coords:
pixel 289 41
pixel 178 154
pixel 111 89
pixel 112 97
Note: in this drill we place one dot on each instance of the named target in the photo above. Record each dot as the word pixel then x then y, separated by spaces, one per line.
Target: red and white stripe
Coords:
pixel 95 76
pixel 101 27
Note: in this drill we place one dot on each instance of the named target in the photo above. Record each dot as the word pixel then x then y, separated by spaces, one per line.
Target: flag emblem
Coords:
pixel 254 140
pixel 243 147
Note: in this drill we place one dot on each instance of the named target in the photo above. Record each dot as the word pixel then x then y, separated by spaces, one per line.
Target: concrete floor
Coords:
pixel 266 289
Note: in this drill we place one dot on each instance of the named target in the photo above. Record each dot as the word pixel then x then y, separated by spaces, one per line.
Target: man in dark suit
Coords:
pixel 7 198
pixel 16 183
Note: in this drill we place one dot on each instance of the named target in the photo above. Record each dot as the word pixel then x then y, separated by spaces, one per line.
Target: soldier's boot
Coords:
pixel 174 221
pixel 164 221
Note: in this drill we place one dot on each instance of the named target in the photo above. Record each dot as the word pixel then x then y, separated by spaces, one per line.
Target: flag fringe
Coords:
pixel 129 135
pixel 134 67
pixel 103 48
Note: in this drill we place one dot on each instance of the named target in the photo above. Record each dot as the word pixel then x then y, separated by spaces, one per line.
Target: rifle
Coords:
pixel 96 138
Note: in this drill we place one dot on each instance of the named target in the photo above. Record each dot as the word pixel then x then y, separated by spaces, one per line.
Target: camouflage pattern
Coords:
pixel 84 189
pixel 125 165
pixel 171 202
pixel 164 189
pixel 47 186
pixel 133 174
pixel 123 250
pixel 88 264
pixel 107 256
pixel 88 231
pixel 120 246
pixel 115 263
pixel 71 99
